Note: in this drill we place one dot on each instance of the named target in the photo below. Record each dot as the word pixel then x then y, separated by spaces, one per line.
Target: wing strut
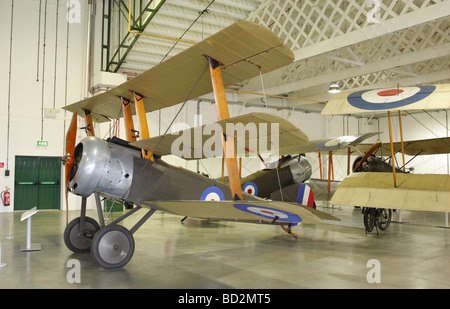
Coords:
pixel 128 118
pixel 227 140
pixel 392 149
pixel 142 121
pixel 89 128
pixel 401 137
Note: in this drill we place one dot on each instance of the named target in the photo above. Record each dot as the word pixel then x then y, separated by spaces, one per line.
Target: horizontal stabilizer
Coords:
pixel 244 49
pixel 429 192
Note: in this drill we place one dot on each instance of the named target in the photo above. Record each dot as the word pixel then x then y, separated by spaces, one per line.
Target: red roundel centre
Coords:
pixel 249 191
pixel 390 92
pixel 267 212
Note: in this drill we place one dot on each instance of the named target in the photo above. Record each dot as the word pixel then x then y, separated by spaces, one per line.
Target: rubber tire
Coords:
pixel 388 214
pixel 369 219
pixel 73 241
pixel 113 246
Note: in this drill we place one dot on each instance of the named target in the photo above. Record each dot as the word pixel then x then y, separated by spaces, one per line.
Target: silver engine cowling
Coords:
pixel 301 170
pixel 102 166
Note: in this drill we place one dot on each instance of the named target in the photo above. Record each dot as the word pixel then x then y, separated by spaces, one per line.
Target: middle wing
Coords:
pixel 431 146
pixel 243 211
pixel 287 136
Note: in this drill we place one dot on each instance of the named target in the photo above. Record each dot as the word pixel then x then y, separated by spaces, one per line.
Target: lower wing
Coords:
pixel 430 192
pixel 243 211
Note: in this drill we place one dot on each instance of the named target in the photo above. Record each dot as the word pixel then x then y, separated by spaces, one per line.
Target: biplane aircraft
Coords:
pixel 379 185
pixel 132 173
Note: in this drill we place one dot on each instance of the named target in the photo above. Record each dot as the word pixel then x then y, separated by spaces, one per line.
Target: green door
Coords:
pixel 37 182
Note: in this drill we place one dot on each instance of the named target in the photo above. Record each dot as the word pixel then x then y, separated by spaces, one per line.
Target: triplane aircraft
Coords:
pixel 129 171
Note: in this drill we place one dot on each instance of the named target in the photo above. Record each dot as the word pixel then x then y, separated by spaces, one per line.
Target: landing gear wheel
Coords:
pixel 113 246
pixel 369 219
pixel 80 241
pixel 385 216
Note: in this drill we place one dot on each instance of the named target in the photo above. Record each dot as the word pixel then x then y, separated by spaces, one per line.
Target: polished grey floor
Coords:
pixel 199 254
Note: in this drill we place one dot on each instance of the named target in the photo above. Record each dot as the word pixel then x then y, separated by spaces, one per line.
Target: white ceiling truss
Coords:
pixel 358 44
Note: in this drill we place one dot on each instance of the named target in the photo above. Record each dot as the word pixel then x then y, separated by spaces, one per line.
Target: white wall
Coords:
pixel 35 87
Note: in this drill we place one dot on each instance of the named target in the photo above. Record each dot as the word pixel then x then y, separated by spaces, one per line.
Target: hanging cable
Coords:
pixel 262 85
pixel 190 26
pixel 43 71
pixel 39 41
pixel 56 53
pixel 9 89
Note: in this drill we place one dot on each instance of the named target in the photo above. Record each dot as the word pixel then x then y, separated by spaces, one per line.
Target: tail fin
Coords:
pixel 305 196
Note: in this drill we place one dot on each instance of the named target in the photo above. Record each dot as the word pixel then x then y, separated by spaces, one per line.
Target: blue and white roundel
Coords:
pixel 212 194
pixel 334 143
pixel 389 98
pixel 250 188
pixel 269 213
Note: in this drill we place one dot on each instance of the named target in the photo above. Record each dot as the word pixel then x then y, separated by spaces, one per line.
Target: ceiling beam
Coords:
pixel 415 18
pixel 376 66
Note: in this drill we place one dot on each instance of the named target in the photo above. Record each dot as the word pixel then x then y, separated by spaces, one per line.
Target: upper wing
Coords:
pixel 243 211
pixel 402 98
pixel 414 191
pixel 249 131
pixel 243 49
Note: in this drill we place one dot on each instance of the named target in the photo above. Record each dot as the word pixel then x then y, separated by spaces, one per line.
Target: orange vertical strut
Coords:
pixel 392 149
pixel 401 138
pixel 329 170
pixel 320 166
pixel 142 121
pixel 348 161
pixel 89 124
pixel 227 140
pixel 128 118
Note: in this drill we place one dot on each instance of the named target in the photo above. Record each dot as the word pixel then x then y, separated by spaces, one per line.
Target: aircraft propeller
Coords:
pixel 71 136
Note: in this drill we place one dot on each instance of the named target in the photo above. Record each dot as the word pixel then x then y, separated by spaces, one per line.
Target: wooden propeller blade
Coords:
pixel 71 137
pixel 368 153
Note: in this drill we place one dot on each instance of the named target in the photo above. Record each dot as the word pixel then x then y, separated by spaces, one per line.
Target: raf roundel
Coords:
pixel 250 188
pixel 269 213
pixel 390 98
pixel 212 194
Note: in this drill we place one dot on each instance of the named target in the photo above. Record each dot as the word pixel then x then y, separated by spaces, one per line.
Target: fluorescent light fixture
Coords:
pixel 334 88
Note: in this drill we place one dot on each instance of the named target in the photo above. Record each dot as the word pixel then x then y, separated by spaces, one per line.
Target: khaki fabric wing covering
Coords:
pixel 225 210
pixel 429 192
pixel 244 49
pixel 439 99
pixel 248 140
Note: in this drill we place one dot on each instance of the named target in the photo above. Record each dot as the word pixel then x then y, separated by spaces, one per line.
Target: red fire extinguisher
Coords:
pixel 6 197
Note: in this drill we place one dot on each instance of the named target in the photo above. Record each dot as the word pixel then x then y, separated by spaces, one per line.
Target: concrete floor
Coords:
pixel 199 254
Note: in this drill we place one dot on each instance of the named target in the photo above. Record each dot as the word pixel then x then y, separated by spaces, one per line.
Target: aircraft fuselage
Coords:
pixel 117 170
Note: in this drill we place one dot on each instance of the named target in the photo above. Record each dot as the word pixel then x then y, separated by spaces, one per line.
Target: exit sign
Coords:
pixel 42 143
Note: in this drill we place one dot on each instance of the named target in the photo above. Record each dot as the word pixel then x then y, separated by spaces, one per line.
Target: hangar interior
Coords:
pixel 62 52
